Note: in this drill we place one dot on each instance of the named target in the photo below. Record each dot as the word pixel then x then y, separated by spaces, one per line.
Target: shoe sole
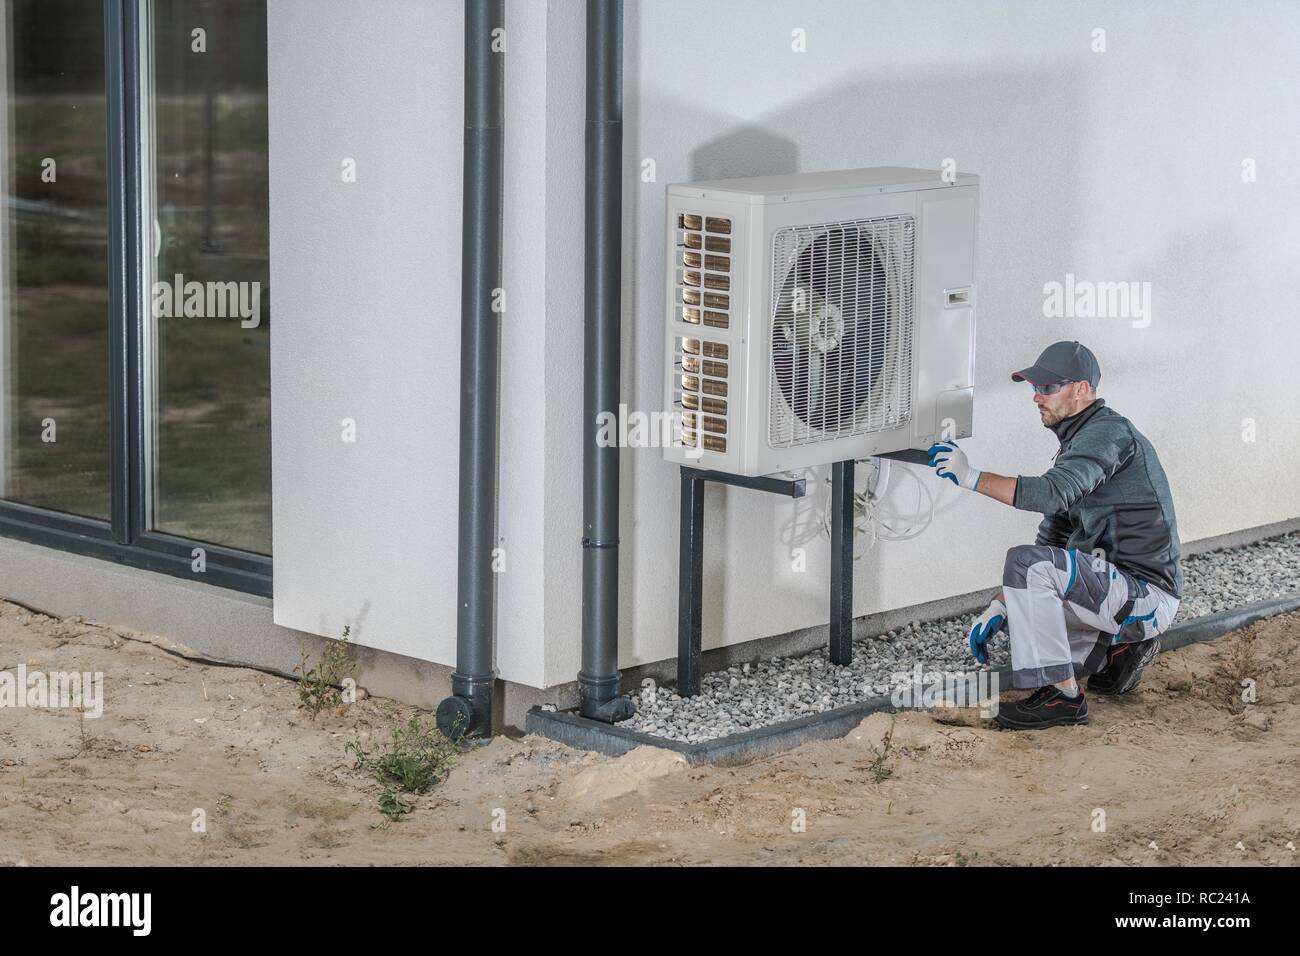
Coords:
pixel 1042 725
pixel 1135 676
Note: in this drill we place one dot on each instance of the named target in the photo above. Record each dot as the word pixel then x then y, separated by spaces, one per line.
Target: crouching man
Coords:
pixel 1102 578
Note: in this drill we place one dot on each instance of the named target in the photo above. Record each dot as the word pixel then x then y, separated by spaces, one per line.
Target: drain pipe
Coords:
pixel 468 712
pixel 598 681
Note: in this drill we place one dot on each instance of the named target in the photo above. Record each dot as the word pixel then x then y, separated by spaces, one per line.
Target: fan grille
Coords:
pixel 841 329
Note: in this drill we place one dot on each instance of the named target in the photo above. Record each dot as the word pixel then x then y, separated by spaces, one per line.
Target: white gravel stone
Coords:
pixel 762 693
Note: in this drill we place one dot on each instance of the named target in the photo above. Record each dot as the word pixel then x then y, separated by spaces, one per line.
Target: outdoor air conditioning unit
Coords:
pixel 819 317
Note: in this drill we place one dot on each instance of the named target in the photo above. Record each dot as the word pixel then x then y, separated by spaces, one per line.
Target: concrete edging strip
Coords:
pixel 569 728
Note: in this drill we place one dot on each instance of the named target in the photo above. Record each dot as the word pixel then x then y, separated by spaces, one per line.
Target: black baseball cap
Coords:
pixel 1062 362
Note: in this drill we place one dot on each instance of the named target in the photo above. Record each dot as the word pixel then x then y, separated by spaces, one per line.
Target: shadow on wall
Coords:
pixel 355 627
pixel 1020 131
pixel 758 151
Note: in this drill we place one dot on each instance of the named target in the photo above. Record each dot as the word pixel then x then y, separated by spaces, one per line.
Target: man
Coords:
pixel 1102 578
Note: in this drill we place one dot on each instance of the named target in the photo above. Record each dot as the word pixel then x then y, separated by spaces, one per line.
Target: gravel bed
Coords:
pixel 1234 577
pixel 767 692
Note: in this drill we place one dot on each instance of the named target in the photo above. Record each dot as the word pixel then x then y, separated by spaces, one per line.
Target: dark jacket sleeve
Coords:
pixel 1094 454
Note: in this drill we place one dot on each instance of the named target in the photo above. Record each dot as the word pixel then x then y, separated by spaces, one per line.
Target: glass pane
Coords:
pixel 206 197
pixel 54 442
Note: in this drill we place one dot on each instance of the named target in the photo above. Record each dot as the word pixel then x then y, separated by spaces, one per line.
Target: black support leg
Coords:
pixel 690 574
pixel 690 585
pixel 841 643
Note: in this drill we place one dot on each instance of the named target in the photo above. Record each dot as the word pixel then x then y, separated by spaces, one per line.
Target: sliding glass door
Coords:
pixel 54 301
pixel 135 284
pixel 208 270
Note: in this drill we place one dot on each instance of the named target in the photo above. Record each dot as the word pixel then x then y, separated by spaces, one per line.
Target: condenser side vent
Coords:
pixel 703 290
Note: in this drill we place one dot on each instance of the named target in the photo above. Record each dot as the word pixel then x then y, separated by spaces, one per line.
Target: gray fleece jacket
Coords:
pixel 1108 491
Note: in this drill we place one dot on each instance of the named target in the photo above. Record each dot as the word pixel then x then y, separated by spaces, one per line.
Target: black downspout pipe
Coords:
pixel 468 712
pixel 598 681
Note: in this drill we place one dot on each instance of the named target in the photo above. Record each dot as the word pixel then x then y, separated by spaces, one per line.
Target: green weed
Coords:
pixel 320 686
pixel 416 758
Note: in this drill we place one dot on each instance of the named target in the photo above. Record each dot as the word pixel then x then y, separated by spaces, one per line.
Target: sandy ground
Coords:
pixel 1180 771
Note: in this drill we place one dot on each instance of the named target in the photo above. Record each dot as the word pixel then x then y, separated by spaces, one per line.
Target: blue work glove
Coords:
pixel 990 622
pixel 949 461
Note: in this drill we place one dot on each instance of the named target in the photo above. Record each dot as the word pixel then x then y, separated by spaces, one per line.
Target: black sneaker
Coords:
pixel 1124 666
pixel 1045 707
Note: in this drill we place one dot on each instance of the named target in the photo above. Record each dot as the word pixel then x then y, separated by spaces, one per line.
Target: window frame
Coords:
pixel 125 539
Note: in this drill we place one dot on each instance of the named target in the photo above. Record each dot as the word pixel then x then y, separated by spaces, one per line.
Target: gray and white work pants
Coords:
pixel 1066 608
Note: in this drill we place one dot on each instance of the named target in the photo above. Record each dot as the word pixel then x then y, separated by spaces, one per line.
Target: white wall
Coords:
pixel 1123 165
pixel 366 325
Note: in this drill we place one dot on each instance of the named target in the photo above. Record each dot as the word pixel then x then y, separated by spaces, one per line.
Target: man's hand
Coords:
pixel 990 622
pixel 949 461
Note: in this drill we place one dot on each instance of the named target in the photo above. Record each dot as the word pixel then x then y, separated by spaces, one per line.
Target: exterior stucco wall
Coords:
pixel 1115 166
pixel 366 278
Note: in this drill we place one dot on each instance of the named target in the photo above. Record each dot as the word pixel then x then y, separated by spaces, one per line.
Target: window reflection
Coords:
pixel 54 426
pixel 206 198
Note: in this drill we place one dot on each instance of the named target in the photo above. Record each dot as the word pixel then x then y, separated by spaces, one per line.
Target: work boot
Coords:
pixel 1045 707
pixel 1124 666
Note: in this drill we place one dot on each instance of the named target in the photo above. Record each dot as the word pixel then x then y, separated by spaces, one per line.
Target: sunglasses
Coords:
pixel 1050 389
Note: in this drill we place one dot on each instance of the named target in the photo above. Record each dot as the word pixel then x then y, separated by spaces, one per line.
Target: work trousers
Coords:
pixel 1065 609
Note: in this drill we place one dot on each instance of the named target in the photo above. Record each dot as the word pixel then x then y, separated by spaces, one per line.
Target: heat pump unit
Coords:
pixel 819 317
